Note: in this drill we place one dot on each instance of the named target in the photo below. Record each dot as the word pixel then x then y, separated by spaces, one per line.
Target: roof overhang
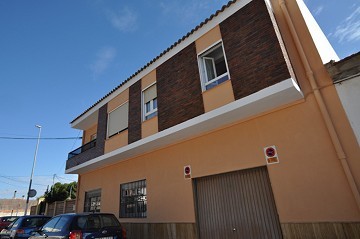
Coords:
pixel 270 98
pixel 85 123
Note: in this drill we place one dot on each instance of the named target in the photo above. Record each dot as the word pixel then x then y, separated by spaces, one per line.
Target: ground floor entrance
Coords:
pixel 236 205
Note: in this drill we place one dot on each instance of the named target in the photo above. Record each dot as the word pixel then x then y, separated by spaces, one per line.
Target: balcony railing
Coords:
pixel 82 149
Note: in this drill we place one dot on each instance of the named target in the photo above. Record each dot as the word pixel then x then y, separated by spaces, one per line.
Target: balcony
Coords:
pixel 82 149
pixel 270 98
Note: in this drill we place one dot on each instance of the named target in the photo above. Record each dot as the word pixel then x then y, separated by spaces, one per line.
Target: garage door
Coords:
pixel 236 205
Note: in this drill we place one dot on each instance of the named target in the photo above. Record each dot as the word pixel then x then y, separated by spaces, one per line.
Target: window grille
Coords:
pixel 92 201
pixel 133 201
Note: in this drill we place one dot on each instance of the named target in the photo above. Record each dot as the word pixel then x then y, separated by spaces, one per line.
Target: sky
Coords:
pixel 57 58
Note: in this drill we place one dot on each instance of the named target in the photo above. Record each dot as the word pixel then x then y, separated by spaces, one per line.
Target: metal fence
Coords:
pixel 56 208
pixel 83 148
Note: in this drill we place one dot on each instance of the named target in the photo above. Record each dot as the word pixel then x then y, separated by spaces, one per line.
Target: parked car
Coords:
pixel 24 226
pixel 82 226
pixel 5 221
pixel 6 232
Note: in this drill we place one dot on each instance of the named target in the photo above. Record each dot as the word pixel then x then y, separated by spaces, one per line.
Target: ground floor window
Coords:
pixel 92 201
pixel 133 202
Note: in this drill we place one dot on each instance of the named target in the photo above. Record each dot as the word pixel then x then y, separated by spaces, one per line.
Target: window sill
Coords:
pixel 217 81
pixel 216 86
pixel 117 141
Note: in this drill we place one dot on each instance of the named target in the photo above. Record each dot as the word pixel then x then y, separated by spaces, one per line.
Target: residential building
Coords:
pixel 346 78
pixel 234 131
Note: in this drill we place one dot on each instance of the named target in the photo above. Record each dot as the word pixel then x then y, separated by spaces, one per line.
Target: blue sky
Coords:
pixel 57 58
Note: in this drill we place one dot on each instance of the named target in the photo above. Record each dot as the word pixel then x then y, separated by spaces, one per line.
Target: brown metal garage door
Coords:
pixel 236 205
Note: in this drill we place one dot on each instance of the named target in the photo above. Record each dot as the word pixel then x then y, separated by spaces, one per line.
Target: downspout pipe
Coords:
pixel 322 106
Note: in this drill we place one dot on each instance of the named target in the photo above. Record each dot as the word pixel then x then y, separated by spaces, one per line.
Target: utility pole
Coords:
pixel 32 170
pixel 52 187
pixel 70 191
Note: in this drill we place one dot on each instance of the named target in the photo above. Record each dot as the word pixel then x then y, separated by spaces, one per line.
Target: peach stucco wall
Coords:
pixel 149 127
pixel 148 80
pixel 308 183
pixel 87 134
pixel 332 104
pixel 208 39
pixel 117 141
pixel 218 96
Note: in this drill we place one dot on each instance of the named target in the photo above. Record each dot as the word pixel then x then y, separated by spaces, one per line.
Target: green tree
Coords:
pixel 61 192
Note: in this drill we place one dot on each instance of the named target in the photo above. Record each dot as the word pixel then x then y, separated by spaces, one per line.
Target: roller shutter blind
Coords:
pixel 118 119
pixel 150 93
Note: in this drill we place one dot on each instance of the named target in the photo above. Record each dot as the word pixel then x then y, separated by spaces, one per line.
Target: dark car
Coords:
pixel 5 221
pixel 82 226
pixel 6 232
pixel 24 226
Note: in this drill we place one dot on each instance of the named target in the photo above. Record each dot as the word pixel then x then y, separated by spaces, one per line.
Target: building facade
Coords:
pixel 234 131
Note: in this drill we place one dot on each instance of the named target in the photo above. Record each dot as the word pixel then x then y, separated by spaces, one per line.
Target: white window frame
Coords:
pixel 205 68
pixel 108 119
pixel 202 67
pixel 143 103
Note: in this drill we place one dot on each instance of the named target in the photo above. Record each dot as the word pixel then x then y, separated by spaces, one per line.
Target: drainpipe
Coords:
pixel 322 106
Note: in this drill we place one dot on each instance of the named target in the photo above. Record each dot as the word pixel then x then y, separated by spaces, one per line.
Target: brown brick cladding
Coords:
pixel 98 150
pixel 134 130
pixel 252 50
pixel 178 89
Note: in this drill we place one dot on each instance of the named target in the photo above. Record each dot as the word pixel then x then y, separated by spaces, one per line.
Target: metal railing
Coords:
pixel 82 149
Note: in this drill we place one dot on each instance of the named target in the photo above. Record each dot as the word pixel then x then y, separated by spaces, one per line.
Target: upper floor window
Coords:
pixel 133 201
pixel 213 67
pixel 118 120
pixel 149 102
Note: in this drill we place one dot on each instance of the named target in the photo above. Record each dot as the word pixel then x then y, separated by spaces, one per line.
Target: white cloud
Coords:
pixel 103 59
pixel 349 29
pixel 318 10
pixel 125 20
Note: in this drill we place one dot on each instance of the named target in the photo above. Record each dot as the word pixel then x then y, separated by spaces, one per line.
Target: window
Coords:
pixel 95 221
pixel 34 221
pixel 133 203
pixel 213 67
pixel 110 221
pixel 92 201
pixel 60 225
pixel 90 222
pixel 50 225
pixel 118 120
pixel 150 102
